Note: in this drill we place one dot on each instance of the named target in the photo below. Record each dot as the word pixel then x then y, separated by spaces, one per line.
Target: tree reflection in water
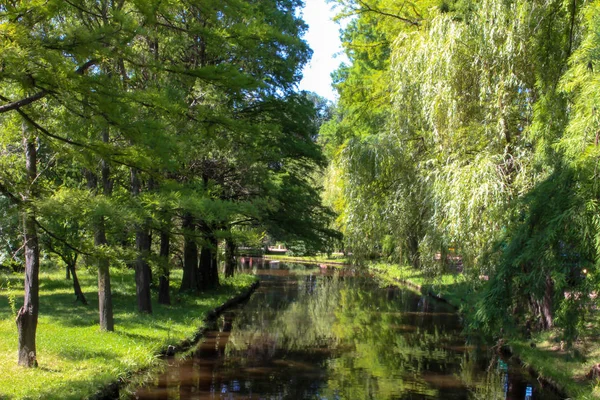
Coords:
pixel 313 333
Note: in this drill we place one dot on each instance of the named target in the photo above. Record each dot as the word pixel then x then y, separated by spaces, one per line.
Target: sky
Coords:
pixel 324 38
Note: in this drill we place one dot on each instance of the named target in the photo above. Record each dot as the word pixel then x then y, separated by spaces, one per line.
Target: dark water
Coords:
pixel 313 333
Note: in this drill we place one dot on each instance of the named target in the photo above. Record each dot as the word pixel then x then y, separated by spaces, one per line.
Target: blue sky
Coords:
pixel 324 38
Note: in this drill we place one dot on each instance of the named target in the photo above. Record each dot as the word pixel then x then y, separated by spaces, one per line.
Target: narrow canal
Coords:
pixel 315 333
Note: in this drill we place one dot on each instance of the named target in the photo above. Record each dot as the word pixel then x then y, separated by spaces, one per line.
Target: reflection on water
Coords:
pixel 313 333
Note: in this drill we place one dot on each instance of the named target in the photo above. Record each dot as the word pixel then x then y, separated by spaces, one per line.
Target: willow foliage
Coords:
pixel 489 149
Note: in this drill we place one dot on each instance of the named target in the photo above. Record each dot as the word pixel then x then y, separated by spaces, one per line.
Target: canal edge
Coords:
pixel 301 260
pixel 113 390
pixel 555 386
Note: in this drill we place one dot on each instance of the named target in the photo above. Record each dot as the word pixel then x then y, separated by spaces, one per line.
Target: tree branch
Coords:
pixel 243 221
pixel 82 10
pixel 368 8
pixel 16 105
pixel 52 235
pixel 72 142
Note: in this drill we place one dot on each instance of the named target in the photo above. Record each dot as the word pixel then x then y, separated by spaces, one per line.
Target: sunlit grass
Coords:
pixel 452 287
pixel 75 358
pixel 567 367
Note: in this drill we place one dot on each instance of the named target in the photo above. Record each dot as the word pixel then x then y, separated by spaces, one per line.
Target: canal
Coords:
pixel 318 333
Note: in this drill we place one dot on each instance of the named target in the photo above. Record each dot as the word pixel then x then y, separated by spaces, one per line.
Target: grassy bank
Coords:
pixel 75 358
pixel 563 368
pixel 453 288
pixel 310 259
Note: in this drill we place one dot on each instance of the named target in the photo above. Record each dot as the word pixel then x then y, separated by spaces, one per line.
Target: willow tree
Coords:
pixel 354 137
pixel 472 135
pixel 491 113
pixel 580 147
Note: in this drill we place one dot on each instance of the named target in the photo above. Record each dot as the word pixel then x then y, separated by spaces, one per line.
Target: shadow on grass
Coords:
pixel 58 303
pixel 77 389
pixel 559 366
pixel 70 328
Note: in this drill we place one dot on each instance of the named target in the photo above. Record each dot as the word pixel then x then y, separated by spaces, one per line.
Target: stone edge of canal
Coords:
pixel 111 391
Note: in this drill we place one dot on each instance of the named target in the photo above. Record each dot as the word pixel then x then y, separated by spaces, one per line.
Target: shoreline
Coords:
pixel 306 260
pixel 113 389
pixel 77 360
pixel 426 289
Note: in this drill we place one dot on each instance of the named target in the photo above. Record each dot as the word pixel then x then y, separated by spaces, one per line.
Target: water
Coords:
pixel 314 333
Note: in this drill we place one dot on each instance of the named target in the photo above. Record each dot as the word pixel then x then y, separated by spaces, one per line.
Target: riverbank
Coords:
pixel 75 359
pixel 563 369
pixel 310 259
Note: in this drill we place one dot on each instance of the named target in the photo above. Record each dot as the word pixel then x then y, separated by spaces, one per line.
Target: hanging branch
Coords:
pixel 71 142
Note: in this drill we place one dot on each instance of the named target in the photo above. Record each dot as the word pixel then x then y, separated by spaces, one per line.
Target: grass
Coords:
pixel 319 259
pixel 75 358
pixel 452 287
pixel 566 369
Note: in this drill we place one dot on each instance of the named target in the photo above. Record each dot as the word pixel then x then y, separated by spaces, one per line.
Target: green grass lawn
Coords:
pixel 453 287
pixel 75 358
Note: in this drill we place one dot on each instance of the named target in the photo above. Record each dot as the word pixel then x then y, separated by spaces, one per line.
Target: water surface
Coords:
pixel 314 333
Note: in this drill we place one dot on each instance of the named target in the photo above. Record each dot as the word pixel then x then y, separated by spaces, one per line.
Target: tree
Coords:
pixel 27 316
pixel 473 149
pixel 180 118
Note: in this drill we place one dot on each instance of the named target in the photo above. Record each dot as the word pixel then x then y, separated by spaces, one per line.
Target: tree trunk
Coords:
pixel 413 251
pixel 190 256
pixel 209 269
pixel 27 316
pixel 164 296
pixel 79 296
pixel 546 306
pixel 143 244
pixel 105 306
pixel 142 271
pixel 68 273
pixel 230 261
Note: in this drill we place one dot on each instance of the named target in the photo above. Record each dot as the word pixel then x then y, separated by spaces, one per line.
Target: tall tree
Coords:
pixel 196 97
pixel 27 316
